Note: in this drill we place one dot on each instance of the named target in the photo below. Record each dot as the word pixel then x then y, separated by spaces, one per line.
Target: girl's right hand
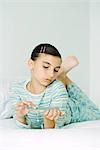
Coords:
pixel 22 108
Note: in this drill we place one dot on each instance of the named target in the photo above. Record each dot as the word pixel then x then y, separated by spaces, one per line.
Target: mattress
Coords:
pixel 77 136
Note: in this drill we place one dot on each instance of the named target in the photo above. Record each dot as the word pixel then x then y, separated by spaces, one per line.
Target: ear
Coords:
pixel 30 64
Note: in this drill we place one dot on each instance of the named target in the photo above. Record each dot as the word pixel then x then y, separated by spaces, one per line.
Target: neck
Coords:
pixel 35 88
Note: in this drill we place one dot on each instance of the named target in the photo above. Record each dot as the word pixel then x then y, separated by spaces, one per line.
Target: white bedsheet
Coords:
pixel 78 136
pixel 10 124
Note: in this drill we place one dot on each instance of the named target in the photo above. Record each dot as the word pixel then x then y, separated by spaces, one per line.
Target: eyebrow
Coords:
pixel 45 62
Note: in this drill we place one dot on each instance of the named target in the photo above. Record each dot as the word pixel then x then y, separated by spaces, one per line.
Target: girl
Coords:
pixel 43 101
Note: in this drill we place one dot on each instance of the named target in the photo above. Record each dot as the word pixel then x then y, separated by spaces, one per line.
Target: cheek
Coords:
pixel 40 72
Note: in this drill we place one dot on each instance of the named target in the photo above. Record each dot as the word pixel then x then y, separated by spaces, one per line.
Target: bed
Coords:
pixel 76 136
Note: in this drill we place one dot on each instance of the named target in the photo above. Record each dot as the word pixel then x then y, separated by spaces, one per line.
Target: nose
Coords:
pixel 51 73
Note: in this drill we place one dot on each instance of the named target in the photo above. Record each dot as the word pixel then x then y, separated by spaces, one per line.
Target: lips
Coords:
pixel 48 80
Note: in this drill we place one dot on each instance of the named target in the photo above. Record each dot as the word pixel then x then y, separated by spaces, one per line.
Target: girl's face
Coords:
pixel 45 69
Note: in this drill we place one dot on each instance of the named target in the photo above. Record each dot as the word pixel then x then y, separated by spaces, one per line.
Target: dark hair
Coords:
pixel 46 49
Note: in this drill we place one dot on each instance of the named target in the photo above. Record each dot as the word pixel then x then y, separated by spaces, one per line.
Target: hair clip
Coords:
pixel 44 50
pixel 41 50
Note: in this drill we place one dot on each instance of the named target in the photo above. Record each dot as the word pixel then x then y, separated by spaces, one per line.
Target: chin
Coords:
pixel 45 83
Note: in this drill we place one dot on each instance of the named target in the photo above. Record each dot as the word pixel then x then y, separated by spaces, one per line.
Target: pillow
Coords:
pixel 4 107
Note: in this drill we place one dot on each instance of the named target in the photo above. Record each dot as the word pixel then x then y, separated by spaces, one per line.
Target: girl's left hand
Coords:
pixel 53 113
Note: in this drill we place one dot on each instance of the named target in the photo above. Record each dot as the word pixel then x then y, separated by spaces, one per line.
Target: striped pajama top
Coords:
pixel 55 95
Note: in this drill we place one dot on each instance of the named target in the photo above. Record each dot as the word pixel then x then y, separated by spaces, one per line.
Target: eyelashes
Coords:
pixel 47 67
pixel 56 70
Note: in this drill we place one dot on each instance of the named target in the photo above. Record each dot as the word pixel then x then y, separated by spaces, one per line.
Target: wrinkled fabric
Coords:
pixel 81 107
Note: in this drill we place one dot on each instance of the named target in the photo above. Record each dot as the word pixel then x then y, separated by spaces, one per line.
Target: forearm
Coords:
pixel 49 123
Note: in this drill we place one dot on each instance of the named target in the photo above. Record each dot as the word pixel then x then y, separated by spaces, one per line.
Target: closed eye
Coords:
pixel 45 67
pixel 56 70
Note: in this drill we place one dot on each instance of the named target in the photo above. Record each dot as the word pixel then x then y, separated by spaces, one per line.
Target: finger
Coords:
pixel 46 112
pixel 61 113
pixel 26 103
pixel 21 107
pixel 51 114
pixel 19 104
pixel 54 114
pixel 29 103
pixel 22 110
pixel 57 113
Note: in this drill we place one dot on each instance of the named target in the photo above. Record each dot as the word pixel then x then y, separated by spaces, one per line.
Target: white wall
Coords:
pixel 95 51
pixel 28 23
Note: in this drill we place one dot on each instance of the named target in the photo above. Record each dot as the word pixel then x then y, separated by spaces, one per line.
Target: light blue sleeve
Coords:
pixel 14 97
pixel 21 125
